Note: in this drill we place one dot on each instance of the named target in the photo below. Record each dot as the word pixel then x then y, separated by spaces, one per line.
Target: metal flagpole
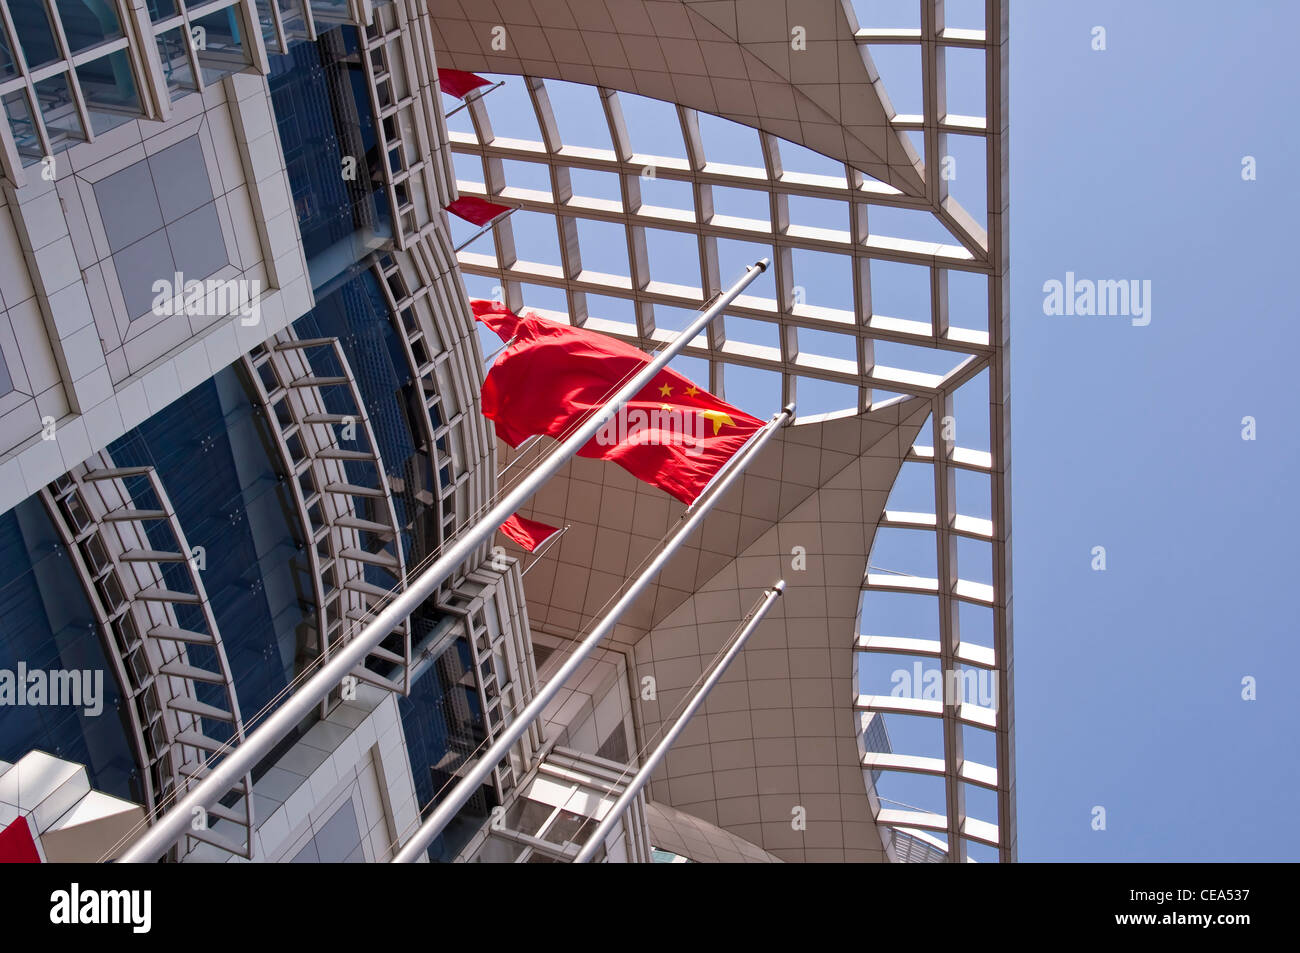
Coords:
pixel 482 230
pixel 467 785
pixel 240 759
pixel 642 777
pixel 546 547
pixel 481 94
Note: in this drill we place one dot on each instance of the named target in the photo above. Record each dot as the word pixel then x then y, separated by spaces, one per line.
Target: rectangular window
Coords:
pixel 59 111
pixel 88 23
pixel 8 66
pixel 295 27
pixel 266 19
pixel 330 11
pixel 108 86
pixel 173 51
pixel 160 9
pixel 18 112
pixel 35 36
pixel 219 44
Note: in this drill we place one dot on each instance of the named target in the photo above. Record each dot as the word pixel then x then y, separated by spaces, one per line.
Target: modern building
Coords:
pixel 239 410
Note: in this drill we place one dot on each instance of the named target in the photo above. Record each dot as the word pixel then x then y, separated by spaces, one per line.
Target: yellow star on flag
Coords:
pixel 718 418
pixel 692 391
pixel 666 390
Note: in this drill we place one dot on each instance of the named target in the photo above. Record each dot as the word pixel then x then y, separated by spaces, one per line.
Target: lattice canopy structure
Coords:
pixel 651 150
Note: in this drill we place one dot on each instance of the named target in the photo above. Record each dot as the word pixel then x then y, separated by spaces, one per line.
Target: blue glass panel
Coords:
pixel 8 66
pixel 357 314
pixel 213 451
pixel 47 624
pixel 342 220
pixel 35 36
pixel 160 9
pixel 87 23
pixel 443 724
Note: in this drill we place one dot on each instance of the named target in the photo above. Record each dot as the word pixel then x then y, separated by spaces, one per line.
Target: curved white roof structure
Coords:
pixel 778 733
pixel 732 59
pixel 933 364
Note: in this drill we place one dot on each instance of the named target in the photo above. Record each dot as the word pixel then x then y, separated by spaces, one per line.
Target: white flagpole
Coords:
pixel 240 759
pixel 547 545
pixel 642 776
pixel 414 848
pixel 478 94
pixel 483 229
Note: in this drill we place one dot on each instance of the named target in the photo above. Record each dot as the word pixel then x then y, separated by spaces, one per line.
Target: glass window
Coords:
pixel 331 11
pixel 32 24
pixel 8 67
pixel 256 575
pixel 295 27
pixel 341 221
pixel 443 725
pixel 218 41
pixel 58 111
pixel 658 856
pixel 173 51
pixel 267 20
pixel 47 623
pixel 565 828
pixel 160 9
pixel 19 114
pixel 109 90
pixel 88 23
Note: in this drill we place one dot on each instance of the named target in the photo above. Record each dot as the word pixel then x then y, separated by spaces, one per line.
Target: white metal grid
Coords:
pixel 971 249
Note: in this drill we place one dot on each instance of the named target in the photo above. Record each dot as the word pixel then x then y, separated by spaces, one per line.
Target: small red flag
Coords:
pixel 457 82
pixel 527 533
pixel 474 209
pixel 672 434
pixel 16 844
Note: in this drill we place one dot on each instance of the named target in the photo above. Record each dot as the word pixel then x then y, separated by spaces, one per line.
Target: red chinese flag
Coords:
pixel 672 434
pixel 457 82
pixel 16 844
pixel 474 209
pixel 527 533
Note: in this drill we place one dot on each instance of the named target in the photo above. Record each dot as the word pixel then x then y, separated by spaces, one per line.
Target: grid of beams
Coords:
pixel 971 358
pixel 969 349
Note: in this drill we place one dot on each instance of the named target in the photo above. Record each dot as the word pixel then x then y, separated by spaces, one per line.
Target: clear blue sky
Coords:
pixel 1125 164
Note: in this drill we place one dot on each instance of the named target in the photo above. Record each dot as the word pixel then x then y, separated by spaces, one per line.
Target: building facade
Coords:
pixel 239 410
